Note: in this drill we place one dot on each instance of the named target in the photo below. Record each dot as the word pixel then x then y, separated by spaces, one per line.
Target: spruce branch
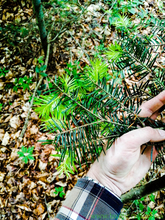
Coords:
pixel 138 60
pixel 117 100
pixel 111 96
pixel 156 45
pixel 82 126
pixel 87 110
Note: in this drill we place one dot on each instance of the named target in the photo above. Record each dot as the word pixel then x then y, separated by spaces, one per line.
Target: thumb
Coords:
pixel 133 139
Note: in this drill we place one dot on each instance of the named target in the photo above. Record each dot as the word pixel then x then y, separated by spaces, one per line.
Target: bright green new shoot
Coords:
pixel 67 165
pixel 114 52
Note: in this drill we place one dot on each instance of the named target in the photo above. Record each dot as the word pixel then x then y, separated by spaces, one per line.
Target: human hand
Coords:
pixel 123 165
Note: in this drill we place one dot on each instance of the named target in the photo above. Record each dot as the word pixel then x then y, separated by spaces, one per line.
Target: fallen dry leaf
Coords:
pixel 60 183
pixel 34 116
pixel 24 207
pixel 16 135
pixel 15 122
pixel 2 133
pixel 33 129
pixel 42 165
pixel 6 138
pixel 2 175
pixel 2 85
pixel 14 154
pixel 39 210
pixel 8 118
pixel 26 107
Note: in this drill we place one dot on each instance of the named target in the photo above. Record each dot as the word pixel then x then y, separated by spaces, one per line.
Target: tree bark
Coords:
pixel 41 23
pixel 147 189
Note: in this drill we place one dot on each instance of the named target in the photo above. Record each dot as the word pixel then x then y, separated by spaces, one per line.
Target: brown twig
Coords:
pixel 34 93
pixel 144 190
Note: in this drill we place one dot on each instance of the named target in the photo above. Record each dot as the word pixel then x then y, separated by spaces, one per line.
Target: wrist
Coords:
pixel 104 181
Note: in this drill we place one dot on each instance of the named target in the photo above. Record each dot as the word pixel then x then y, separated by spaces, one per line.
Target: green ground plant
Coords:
pixel 3 71
pixel 122 8
pixel 1 106
pixel 22 83
pixel 26 154
pixel 139 210
pixel 143 210
pixel 59 191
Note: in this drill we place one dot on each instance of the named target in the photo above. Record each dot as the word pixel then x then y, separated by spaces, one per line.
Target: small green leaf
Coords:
pixel 43 74
pixel 40 59
pixel 62 194
pixel 30 150
pixel 132 10
pixel 152 197
pixel 26 154
pixel 30 157
pixel 25 160
pixel 21 154
pixel 43 67
pixel 37 69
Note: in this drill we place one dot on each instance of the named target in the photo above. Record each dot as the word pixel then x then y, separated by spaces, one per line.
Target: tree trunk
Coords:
pixel 41 24
pixel 148 188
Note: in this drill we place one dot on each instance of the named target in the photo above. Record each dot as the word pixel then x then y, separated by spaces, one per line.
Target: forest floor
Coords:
pixel 27 191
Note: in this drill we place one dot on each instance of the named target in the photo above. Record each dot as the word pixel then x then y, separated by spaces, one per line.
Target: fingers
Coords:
pixel 153 105
pixel 152 156
pixel 132 140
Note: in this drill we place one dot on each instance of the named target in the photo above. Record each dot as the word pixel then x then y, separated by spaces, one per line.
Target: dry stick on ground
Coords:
pixel 31 103
pixel 144 190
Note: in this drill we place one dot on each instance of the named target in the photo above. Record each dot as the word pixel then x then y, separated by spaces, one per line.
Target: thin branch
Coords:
pixel 80 46
pixel 137 60
pixel 154 45
pixel 97 122
pixel 92 140
pixel 144 190
pixel 82 126
pixel 32 100
pixel 60 32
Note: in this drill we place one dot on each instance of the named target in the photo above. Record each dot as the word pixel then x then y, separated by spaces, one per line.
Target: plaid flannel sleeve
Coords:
pixel 90 200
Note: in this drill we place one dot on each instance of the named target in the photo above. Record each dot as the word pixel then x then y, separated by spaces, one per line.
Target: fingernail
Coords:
pixel 161 132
